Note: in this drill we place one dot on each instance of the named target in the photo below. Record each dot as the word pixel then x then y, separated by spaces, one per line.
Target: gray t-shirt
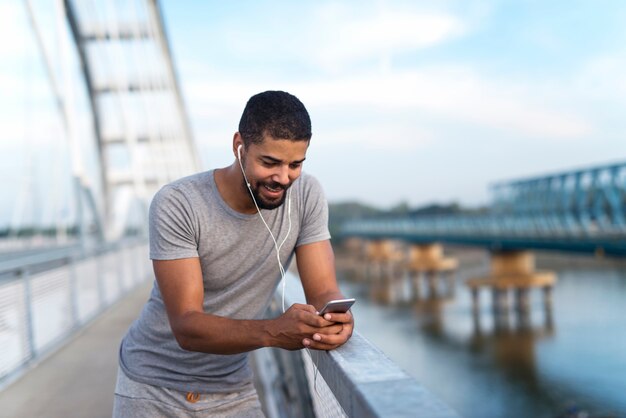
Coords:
pixel 189 218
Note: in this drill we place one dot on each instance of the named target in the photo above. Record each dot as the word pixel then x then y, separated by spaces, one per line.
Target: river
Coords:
pixel 565 361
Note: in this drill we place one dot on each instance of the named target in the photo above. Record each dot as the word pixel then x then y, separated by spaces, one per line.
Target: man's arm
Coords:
pixel 180 283
pixel 316 267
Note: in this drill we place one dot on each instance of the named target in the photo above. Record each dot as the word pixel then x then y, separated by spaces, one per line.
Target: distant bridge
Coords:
pixel 579 211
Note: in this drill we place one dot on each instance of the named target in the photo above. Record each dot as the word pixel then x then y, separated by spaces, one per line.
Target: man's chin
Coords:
pixel 271 205
pixel 268 200
pixel 268 203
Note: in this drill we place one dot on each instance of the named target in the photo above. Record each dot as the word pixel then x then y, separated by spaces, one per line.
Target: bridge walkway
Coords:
pixel 78 380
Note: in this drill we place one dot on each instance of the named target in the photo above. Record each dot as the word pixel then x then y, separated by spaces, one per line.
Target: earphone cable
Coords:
pixel 276 246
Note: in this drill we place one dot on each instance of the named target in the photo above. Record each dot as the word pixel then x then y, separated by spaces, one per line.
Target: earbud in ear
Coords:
pixel 241 166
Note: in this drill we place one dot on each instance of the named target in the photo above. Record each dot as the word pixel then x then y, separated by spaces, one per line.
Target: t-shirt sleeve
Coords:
pixel 314 221
pixel 172 226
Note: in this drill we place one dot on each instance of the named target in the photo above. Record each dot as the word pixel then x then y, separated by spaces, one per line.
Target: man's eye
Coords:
pixel 295 165
pixel 269 164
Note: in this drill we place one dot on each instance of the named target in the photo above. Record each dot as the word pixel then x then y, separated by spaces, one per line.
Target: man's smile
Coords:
pixel 275 190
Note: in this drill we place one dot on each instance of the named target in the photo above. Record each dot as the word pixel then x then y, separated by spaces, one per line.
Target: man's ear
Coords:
pixel 238 145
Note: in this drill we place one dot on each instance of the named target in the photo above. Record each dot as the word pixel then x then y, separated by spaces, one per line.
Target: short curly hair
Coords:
pixel 275 113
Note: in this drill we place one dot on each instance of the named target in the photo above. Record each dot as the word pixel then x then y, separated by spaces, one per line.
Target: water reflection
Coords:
pixel 512 347
pixel 408 287
pixel 519 320
pixel 492 362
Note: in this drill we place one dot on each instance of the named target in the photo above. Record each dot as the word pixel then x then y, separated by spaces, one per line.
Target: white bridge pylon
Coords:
pixel 140 125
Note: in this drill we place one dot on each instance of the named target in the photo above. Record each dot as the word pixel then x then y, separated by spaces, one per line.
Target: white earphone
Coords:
pixel 239 152
pixel 276 246
pixel 239 159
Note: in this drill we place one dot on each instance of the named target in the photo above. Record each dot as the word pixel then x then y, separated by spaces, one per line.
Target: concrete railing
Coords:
pixel 46 297
pixel 355 380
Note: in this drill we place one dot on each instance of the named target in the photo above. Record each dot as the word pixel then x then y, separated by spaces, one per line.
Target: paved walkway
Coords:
pixel 78 380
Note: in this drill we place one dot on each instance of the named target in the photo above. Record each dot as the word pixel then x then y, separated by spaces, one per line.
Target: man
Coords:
pixel 213 242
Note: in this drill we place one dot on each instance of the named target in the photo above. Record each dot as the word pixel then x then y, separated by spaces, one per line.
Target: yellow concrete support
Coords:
pixel 351 257
pixel 429 257
pixel 514 270
pixel 427 260
pixel 354 245
pixel 385 251
pixel 384 255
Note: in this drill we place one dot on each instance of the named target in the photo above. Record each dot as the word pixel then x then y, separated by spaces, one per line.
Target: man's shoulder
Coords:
pixel 310 190
pixel 192 181
pixel 188 184
pixel 308 181
pixel 186 188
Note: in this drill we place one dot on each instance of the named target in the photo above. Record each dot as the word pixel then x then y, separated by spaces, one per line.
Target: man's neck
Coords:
pixel 229 181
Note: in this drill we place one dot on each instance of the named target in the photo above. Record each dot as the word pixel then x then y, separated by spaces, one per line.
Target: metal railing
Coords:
pixel 46 297
pixel 355 380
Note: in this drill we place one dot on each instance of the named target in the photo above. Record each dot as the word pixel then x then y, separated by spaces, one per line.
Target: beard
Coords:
pixel 268 203
pixel 262 202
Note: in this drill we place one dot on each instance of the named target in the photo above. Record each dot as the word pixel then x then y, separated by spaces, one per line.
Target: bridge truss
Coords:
pixel 579 210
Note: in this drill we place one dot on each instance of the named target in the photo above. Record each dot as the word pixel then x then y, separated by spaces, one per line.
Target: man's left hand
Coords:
pixel 332 341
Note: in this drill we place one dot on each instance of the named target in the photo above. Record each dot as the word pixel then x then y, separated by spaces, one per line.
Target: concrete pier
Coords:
pixel 426 262
pixel 383 257
pixel 513 271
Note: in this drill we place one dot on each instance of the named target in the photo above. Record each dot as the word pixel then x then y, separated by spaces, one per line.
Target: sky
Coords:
pixel 411 101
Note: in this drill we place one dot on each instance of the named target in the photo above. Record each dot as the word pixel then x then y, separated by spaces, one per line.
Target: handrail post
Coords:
pixel 73 292
pixel 24 275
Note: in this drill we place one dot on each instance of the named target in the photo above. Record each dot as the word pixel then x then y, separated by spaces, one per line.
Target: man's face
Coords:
pixel 272 166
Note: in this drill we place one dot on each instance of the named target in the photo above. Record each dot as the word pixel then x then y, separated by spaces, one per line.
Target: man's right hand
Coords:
pixel 298 323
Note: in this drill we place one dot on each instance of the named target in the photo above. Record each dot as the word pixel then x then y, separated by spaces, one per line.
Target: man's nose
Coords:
pixel 282 175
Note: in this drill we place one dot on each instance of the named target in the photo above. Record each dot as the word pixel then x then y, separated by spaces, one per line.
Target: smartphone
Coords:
pixel 337 306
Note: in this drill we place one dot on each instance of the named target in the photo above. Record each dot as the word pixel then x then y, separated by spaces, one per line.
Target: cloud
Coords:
pixel 42 127
pixel 345 40
pixel 453 94
pixel 13 30
pixel 18 88
pixel 458 94
pixel 335 37
pixel 603 77
pixel 402 137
